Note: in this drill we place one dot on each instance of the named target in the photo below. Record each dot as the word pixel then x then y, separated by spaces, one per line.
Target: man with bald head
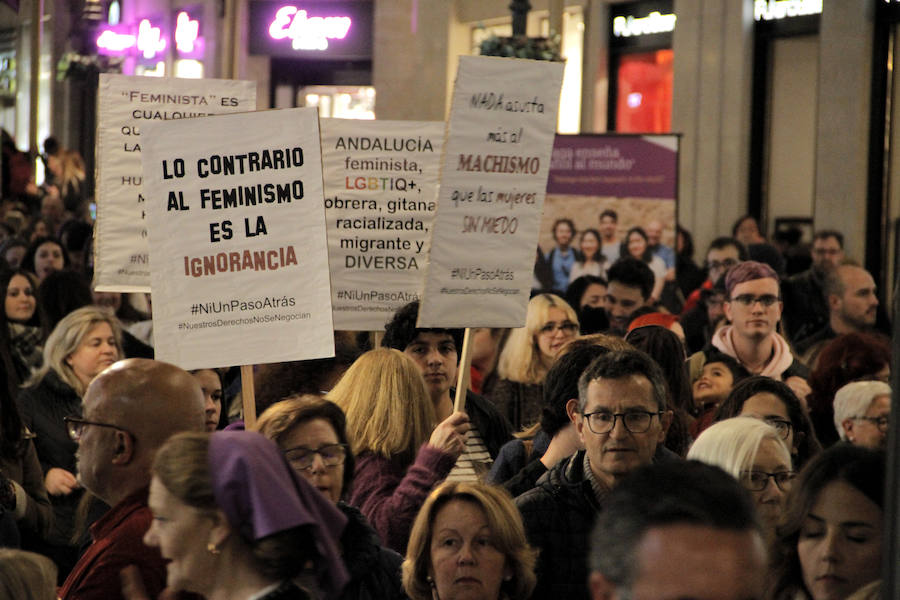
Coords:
pixel 130 409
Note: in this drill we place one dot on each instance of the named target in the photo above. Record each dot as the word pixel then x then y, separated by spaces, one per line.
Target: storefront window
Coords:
pixel 644 92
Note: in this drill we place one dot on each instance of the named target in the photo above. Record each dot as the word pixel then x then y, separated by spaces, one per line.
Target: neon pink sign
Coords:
pixel 187 32
pixel 148 41
pixel 305 32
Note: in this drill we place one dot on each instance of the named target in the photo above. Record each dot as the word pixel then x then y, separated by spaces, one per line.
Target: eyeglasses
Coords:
pixel 565 327
pixel 725 264
pixel 880 422
pixel 782 426
pixel 756 481
pixel 637 421
pixel 766 300
pixel 75 427
pixel 302 457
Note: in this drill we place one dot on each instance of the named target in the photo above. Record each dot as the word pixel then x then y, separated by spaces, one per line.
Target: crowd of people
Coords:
pixel 657 429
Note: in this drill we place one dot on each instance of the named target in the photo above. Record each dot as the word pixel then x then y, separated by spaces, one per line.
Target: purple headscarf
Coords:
pixel 261 494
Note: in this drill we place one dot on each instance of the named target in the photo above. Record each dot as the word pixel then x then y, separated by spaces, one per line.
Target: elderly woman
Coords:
pixel 312 435
pixel 830 542
pixel 400 453
pixel 468 542
pixel 862 413
pixel 236 522
pixel 754 453
pixel 529 353
pixel 81 345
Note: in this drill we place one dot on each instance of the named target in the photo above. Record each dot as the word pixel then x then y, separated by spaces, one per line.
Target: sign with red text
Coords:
pixel 493 181
pixel 238 255
pixel 125 104
pixel 381 182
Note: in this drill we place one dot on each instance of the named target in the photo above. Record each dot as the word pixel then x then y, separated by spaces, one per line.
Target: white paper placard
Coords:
pixel 380 194
pixel 493 182
pixel 124 105
pixel 239 263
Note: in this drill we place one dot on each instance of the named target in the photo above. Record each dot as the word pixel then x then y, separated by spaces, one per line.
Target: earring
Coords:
pixel 507 578
pixel 212 548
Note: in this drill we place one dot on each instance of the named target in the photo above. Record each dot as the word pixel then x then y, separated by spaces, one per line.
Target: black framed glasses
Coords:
pixel 635 421
pixel 302 457
pixel 880 422
pixel 75 427
pixel 756 481
pixel 565 327
pixel 782 426
pixel 725 264
pixel 748 300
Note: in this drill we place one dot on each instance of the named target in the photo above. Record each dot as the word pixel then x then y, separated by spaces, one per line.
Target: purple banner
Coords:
pixel 615 166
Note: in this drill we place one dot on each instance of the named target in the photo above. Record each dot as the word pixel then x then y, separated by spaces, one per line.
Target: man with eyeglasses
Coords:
pixel 622 421
pixel 862 413
pixel 130 409
pixel 753 307
pixel 723 253
pixel 805 303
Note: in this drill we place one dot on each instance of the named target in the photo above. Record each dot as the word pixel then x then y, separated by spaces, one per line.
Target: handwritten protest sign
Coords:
pixel 493 181
pixel 380 194
pixel 239 264
pixel 125 105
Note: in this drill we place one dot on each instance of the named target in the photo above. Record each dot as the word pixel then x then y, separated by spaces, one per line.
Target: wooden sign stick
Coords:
pixel 463 375
pixel 248 396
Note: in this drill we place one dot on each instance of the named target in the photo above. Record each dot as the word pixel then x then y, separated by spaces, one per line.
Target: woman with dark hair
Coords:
pixel 236 522
pixel 20 327
pixel 587 295
pixel 211 384
pixel 846 358
pixel 311 433
pixel 775 403
pixel 830 542
pixel 690 276
pixel 591 260
pixel 667 349
pixel 637 245
pixel 13 250
pixel 45 255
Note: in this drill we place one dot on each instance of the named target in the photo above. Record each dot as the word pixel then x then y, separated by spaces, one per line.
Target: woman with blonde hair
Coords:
pixel 82 344
pixel 26 576
pixel 469 541
pixel 550 324
pixel 754 453
pixel 400 453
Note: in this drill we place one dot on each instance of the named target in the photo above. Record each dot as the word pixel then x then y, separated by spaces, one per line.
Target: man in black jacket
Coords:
pixel 622 421
pixel 435 352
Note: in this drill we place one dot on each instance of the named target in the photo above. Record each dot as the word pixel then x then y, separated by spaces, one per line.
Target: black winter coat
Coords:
pixel 374 570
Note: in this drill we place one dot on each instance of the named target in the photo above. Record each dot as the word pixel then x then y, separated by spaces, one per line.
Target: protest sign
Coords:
pixel 493 181
pixel 125 104
pixel 380 193
pixel 239 263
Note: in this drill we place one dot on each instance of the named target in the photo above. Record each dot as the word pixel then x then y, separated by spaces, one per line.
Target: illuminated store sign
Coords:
pixel 314 29
pixel 773 10
pixel 148 41
pixel 655 22
pixel 307 33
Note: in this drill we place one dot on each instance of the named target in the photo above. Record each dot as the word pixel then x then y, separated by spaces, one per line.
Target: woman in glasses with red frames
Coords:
pixel 311 432
pixel 82 344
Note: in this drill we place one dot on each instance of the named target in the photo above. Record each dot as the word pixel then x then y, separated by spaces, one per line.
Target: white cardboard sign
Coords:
pixel 239 263
pixel 493 182
pixel 125 104
pixel 381 181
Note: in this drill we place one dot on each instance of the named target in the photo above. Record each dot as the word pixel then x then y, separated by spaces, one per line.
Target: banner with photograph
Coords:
pixel 124 105
pixel 493 181
pixel 381 181
pixel 608 195
pixel 239 262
